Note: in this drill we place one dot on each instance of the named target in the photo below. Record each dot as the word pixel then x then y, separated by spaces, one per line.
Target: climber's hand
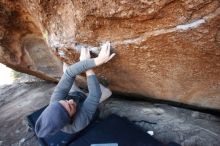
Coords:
pixel 104 55
pixel 85 54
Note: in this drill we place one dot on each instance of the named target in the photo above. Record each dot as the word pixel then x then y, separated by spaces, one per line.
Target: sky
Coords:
pixel 6 75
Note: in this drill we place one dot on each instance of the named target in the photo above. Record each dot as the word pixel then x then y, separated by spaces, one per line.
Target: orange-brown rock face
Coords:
pixel 167 49
pixel 22 46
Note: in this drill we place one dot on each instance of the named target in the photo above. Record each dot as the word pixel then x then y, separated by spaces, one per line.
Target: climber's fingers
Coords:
pixel 112 55
pixel 108 47
pixel 85 54
pixel 82 50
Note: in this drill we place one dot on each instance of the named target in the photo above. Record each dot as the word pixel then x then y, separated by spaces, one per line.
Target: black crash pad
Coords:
pixel 113 130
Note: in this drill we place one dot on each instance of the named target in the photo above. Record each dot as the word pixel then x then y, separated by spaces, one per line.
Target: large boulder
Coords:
pixel 168 49
pixel 22 46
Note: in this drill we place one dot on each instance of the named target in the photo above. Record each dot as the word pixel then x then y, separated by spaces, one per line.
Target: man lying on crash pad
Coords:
pixel 70 109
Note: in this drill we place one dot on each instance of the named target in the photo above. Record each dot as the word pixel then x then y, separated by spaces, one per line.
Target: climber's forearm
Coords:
pixel 66 82
pixel 93 87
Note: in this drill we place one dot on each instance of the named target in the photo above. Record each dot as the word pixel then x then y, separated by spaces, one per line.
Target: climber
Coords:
pixel 70 109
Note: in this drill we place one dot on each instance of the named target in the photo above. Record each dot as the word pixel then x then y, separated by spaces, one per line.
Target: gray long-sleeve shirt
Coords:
pixel 85 113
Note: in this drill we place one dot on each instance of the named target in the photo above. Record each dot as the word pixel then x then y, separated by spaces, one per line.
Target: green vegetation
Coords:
pixel 16 75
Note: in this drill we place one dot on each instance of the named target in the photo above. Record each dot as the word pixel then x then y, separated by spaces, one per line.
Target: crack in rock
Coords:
pixel 70 43
pixel 182 27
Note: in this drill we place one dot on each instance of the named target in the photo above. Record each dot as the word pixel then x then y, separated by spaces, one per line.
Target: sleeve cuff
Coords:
pixel 90 63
